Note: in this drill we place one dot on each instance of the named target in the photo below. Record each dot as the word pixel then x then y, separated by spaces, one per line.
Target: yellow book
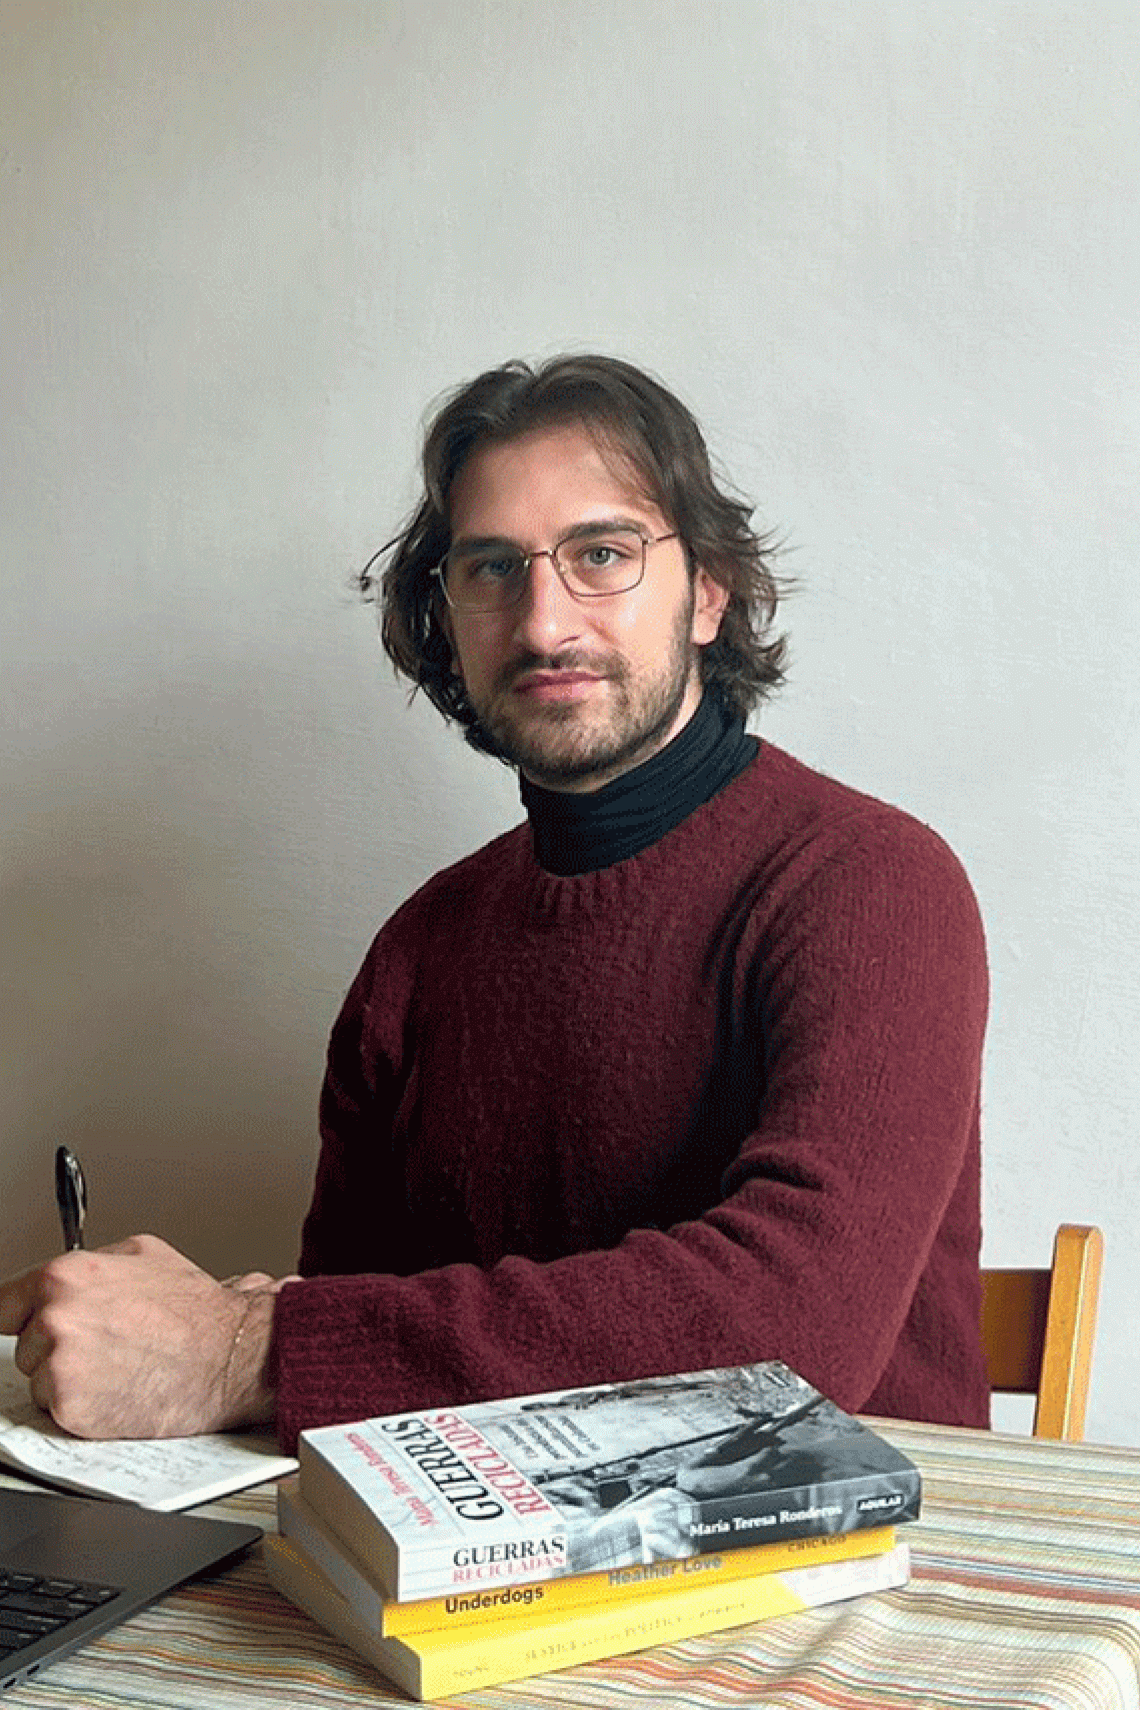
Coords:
pixel 438 1663
pixel 546 1600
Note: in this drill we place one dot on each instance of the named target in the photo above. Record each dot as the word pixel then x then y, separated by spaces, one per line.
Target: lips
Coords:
pixel 555 685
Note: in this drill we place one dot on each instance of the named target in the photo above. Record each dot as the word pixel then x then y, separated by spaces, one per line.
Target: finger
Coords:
pixel 32 1349
pixel 42 1388
pixel 46 1394
pixel 250 1282
pixel 19 1298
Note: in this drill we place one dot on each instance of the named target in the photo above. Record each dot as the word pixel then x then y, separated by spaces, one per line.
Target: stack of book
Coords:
pixel 460 1547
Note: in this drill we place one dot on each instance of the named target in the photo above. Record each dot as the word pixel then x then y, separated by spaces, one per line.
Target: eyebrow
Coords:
pixel 577 531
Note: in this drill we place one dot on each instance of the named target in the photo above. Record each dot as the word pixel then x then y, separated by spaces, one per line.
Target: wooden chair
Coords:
pixel 1038 1329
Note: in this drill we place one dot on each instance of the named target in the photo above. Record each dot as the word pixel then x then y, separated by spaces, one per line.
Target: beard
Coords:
pixel 563 745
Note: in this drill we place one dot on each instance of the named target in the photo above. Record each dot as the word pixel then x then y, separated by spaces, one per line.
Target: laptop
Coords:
pixel 71 1567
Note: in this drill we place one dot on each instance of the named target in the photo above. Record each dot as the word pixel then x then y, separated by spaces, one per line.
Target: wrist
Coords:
pixel 247 1393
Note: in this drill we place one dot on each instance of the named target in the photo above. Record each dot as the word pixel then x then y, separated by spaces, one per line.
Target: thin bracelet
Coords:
pixel 238 1334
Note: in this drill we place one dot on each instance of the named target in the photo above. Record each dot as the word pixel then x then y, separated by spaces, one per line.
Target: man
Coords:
pixel 684 1071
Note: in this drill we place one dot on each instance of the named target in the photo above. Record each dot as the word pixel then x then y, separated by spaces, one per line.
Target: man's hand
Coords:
pixel 133 1340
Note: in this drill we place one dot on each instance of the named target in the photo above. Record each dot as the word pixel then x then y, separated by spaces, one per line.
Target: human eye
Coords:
pixel 614 550
pixel 601 555
pixel 486 569
pixel 496 567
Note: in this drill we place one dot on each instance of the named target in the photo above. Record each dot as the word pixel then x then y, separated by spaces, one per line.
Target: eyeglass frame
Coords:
pixel 526 559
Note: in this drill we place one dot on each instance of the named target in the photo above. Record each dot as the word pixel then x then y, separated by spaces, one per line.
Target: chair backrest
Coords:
pixel 1038 1329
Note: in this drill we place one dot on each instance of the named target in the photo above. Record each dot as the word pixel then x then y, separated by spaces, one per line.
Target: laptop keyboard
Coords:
pixel 31 1608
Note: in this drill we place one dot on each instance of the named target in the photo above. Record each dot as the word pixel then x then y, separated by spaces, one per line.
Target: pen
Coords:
pixel 71 1197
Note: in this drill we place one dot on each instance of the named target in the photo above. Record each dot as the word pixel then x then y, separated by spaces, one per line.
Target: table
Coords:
pixel 1025 1593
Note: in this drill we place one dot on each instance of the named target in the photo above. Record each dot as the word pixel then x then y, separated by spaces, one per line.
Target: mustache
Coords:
pixel 570 659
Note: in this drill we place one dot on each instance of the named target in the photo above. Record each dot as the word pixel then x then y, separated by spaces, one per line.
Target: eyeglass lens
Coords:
pixel 591 565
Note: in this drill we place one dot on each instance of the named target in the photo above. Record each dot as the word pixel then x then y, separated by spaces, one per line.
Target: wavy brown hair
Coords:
pixel 651 431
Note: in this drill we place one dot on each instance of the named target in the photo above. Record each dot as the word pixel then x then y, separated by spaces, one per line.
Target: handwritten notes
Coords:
pixel 168 1473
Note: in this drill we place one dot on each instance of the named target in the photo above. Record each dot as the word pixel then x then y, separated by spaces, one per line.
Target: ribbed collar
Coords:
pixel 581 833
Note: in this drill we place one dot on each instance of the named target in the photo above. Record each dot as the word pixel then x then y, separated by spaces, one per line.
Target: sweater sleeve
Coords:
pixel 845 1239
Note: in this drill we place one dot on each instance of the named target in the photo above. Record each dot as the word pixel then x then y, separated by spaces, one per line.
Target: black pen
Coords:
pixel 71 1197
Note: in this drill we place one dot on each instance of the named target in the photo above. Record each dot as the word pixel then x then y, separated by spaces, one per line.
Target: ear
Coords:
pixel 710 598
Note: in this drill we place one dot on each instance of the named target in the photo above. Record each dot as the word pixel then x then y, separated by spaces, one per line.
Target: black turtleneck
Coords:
pixel 582 832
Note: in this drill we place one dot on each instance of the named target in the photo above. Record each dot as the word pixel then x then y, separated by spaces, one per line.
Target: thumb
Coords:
pixel 19 1298
pixel 249 1283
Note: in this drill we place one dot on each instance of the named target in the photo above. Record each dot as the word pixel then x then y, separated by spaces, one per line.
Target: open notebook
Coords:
pixel 169 1473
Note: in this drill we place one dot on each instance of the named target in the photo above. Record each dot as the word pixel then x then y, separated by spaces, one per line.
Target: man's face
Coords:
pixel 576 692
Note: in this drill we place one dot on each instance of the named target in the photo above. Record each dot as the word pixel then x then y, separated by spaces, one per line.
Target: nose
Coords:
pixel 547 615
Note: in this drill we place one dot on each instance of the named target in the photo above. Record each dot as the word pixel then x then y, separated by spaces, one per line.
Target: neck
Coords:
pixel 583 832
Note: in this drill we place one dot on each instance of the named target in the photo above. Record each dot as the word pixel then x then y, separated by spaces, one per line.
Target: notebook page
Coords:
pixel 165 1473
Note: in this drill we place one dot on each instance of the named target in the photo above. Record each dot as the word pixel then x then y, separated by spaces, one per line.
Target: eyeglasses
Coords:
pixel 592 563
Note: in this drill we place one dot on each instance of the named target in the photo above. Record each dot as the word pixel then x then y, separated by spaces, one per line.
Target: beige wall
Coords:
pixel 890 252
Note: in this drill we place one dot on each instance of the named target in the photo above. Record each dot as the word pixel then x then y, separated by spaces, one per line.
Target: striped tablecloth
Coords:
pixel 1025 1594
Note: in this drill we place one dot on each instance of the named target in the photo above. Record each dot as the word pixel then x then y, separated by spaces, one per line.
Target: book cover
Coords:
pixel 546 1600
pixel 439 1663
pixel 539 1487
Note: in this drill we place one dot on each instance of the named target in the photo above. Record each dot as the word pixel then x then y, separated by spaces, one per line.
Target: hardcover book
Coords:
pixel 541 1487
pixel 546 1600
pixel 438 1663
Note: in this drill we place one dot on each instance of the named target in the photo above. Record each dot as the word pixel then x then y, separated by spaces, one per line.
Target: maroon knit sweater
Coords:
pixel 713 1104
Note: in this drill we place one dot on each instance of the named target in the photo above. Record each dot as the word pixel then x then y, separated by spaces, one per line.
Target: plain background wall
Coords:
pixel 888 250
